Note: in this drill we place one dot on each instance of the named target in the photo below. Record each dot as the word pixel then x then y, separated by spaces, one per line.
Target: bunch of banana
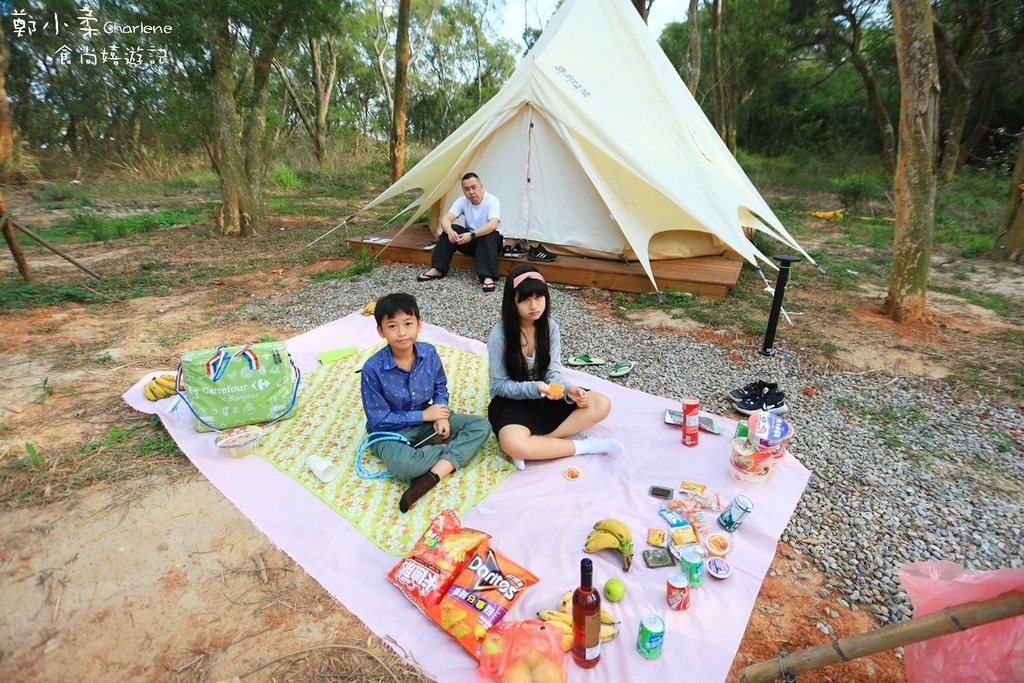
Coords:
pixel 829 215
pixel 614 534
pixel 565 607
pixel 159 387
pixel 562 621
pixel 369 308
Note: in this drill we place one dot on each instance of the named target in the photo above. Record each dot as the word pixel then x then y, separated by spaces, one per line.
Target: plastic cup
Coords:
pixel 325 470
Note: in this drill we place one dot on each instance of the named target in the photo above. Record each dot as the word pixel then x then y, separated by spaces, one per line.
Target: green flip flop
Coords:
pixel 622 368
pixel 584 359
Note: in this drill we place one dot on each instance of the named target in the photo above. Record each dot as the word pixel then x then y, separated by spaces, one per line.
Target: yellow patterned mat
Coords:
pixel 330 422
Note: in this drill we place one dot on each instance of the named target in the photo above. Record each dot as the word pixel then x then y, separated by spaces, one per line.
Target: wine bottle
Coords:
pixel 586 618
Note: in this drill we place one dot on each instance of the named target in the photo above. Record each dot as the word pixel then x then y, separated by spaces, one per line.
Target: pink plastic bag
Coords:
pixel 991 652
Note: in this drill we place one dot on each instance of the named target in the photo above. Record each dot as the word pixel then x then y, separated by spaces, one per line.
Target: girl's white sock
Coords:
pixel 594 444
pixel 519 463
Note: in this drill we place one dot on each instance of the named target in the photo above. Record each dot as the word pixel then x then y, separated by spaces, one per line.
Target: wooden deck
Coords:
pixel 708 275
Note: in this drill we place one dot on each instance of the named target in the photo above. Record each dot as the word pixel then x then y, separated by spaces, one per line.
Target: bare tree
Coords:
pixel 915 170
pixel 322 82
pixel 693 48
pixel 1013 221
pixel 401 92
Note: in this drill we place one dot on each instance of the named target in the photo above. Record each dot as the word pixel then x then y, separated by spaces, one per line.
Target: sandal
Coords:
pixel 488 286
pixel 622 368
pixel 427 278
pixel 584 359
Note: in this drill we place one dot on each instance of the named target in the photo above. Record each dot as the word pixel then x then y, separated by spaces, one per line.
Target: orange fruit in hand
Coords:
pixel 556 390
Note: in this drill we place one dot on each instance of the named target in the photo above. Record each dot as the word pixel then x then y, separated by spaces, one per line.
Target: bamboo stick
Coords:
pixel 55 250
pixel 949 620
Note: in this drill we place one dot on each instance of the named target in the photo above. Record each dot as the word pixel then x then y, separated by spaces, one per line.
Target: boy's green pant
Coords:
pixel 469 432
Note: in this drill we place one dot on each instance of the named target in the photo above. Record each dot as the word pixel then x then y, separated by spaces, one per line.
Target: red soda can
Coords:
pixel 691 427
pixel 678 590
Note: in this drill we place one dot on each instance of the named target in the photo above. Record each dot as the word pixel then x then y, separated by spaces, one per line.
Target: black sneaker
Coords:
pixel 512 251
pixel 753 390
pixel 773 402
pixel 539 253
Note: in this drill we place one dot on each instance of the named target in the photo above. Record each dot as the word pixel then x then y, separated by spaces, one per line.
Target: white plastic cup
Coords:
pixel 325 470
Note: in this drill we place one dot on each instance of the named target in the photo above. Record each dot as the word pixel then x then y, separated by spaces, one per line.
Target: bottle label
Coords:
pixel 592 635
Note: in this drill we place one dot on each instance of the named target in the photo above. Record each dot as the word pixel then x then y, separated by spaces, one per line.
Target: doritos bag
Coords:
pixel 425 574
pixel 481 595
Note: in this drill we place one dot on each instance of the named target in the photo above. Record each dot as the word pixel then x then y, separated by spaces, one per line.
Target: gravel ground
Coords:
pixel 902 469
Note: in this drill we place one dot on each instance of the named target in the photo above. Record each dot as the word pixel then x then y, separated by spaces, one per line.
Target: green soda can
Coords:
pixel 692 564
pixel 651 636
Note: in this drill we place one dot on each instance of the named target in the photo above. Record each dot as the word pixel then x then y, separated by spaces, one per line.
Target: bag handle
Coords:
pixel 220 360
pixel 178 383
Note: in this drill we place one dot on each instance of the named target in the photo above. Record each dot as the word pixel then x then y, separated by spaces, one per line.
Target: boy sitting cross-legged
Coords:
pixel 405 390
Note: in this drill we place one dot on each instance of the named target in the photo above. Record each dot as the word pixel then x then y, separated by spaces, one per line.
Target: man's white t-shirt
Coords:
pixel 478 215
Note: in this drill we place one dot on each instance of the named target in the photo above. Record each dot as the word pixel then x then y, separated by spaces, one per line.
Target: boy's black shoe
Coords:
pixel 512 251
pixel 539 253
pixel 753 390
pixel 773 402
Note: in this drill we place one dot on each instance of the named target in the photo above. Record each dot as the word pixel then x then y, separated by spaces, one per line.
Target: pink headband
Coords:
pixel 529 275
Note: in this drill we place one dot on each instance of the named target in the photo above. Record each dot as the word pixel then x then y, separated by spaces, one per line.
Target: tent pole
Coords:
pixel 785 263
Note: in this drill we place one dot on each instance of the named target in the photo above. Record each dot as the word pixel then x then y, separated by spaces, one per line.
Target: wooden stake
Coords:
pixel 7 226
pixel 949 620
pixel 70 259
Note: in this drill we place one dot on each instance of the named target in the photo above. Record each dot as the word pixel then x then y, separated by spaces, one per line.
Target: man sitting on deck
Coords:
pixel 479 238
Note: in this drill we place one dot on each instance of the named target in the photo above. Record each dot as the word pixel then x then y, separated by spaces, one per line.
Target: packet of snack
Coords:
pixel 425 574
pixel 480 596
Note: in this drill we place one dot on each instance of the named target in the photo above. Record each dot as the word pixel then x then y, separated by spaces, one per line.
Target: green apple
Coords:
pixel 614 589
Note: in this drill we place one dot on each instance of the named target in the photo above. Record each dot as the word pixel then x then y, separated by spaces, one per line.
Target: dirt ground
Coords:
pixel 159 578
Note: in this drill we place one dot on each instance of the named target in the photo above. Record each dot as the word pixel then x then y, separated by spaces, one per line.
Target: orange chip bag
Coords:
pixel 425 574
pixel 483 592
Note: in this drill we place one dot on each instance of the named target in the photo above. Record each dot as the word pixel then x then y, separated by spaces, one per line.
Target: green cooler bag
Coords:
pixel 231 386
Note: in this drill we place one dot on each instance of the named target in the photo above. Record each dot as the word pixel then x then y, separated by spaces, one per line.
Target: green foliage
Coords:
pixel 854 191
pixel 59 192
pixel 362 263
pixel 95 227
pixel 15 293
pixel 285 179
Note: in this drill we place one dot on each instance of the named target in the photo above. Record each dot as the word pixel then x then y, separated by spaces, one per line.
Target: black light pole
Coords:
pixel 785 263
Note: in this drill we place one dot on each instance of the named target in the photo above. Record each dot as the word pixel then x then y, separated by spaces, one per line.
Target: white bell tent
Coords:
pixel 595 146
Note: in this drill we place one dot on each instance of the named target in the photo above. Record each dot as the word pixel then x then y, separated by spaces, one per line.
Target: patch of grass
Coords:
pixel 1004 306
pixel 61 194
pixel 171 340
pixel 284 178
pixel 121 454
pixel 94 226
pixel 44 390
pixel 15 293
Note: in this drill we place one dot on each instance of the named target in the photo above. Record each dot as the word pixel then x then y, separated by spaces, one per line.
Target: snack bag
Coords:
pixel 425 574
pixel 520 651
pixel 483 592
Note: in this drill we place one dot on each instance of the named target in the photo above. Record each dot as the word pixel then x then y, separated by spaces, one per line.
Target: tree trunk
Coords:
pixel 6 135
pixel 717 73
pixel 1013 221
pixel 693 47
pixel 915 174
pixel 641 8
pixel 255 128
pixel 881 114
pixel 323 88
pixel 401 92
pixel 235 214
pixel 7 227
pixel 960 86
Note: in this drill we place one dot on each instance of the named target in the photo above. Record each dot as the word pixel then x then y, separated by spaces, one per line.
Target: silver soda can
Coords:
pixel 735 513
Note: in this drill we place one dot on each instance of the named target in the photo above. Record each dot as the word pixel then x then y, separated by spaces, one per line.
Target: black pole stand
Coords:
pixel 785 263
